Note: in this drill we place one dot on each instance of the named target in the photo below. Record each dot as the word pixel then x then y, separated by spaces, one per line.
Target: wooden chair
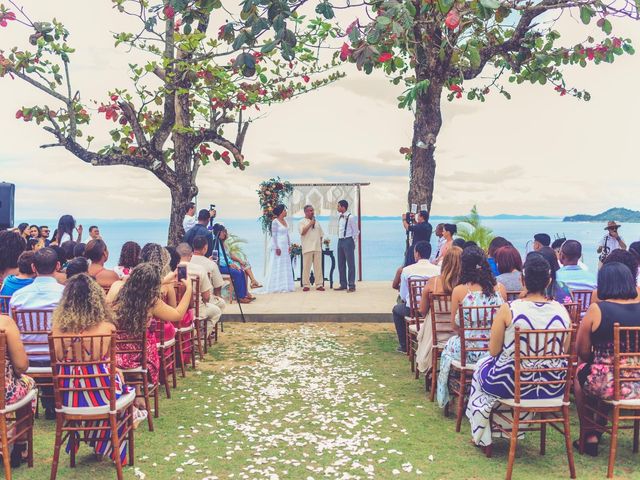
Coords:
pixel 474 329
pixel 583 298
pixel 8 416
pixel 537 353
pixel 412 323
pixel 138 377
pixel 34 326
pixel 601 413
pixel 513 295
pixel 186 337
pixel 573 309
pixel 77 368
pixel 167 353
pixel 440 313
pixel 4 304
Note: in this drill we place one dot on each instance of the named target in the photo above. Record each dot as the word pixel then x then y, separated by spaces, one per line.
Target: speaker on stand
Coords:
pixel 7 195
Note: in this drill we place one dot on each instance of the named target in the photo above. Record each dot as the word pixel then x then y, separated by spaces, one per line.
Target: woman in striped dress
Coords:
pixel 83 311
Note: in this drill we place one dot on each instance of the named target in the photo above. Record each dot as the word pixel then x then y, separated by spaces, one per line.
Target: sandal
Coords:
pixel 139 416
pixel 256 285
pixel 590 448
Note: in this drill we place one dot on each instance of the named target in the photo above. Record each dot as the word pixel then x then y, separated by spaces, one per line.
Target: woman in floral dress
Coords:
pixel 477 288
pixel 618 303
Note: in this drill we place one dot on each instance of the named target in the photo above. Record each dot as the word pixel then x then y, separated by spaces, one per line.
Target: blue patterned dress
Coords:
pixel 493 378
pixel 452 349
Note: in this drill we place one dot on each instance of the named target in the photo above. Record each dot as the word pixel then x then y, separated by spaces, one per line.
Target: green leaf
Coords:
pixel 607 27
pixel 628 48
pixel 492 4
pixel 585 15
pixel 445 5
pixel 384 21
pixel 325 9
pixel 474 55
pixel 412 9
pixel 268 47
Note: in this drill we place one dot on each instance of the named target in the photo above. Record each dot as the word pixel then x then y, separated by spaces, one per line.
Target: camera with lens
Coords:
pixel 410 217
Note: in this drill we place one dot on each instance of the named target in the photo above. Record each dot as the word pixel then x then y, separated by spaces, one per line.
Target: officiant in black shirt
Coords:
pixel 419 231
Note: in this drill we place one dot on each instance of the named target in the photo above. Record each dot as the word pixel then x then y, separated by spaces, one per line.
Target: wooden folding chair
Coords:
pixel 583 298
pixel 412 323
pixel 9 420
pixel 138 377
pixel 34 326
pixel 167 353
pixel 474 329
pixel 601 413
pixel 4 304
pixel 541 360
pixel 78 365
pixel 440 314
pixel 513 295
pixel 186 337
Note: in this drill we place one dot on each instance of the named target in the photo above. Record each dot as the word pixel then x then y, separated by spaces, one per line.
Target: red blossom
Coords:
pixel 455 88
pixel 452 20
pixel 351 27
pixel 221 31
pixel 305 78
pixel 385 57
pixel 345 52
pixel 617 43
pixel 19 114
pixel 169 11
pixel 226 158
pixel 7 17
pixel 114 98
pixel 590 53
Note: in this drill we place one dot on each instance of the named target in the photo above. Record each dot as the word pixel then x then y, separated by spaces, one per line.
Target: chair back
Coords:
pixel 76 362
pixel 132 345
pixel 475 327
pixel 626 358
pixel 573 309
pixel 440 311
pixel 416 286
pixel 541 359
pixel 34 326
pixel 583 298
pixel 3 365
pixel 513 295
pixel 4 304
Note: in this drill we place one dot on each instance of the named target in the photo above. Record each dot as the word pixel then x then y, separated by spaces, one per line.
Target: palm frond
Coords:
pixel 470 229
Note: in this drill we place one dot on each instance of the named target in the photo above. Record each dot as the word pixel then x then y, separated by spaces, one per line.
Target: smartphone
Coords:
pixel 182 272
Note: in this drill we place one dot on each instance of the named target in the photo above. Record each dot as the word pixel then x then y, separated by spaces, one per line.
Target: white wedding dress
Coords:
pixel 280 276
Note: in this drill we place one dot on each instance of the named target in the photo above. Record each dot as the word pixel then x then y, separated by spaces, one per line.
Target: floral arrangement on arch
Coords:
pixel 272 192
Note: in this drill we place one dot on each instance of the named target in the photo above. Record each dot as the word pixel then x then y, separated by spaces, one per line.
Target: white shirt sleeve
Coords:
pixel 404 286
pixel 353 221
pixel 188 222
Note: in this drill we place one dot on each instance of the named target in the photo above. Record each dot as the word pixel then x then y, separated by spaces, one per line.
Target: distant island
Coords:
pixel 623 215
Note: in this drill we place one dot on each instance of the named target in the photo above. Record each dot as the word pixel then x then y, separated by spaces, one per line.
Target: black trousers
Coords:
pixel 347 262
pixel 400 310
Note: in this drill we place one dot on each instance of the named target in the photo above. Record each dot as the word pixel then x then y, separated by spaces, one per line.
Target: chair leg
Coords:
pixel 132 455
pixel 174 378
pixel 115 439
pixel 6 456
pixel 193 348
pixel 56 447
pixel 434 374
pixel 567 441
pixel 460 405
pixel 30 439
pixel 156 401
pixel 636 432
pixel 72 447
pixel 513 442
pixel 147 401
pixel 543 435
pixel 180 354
pixel 614 441
pixel 164 372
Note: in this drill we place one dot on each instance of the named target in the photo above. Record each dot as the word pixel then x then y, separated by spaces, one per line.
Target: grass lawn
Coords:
pixel 309 402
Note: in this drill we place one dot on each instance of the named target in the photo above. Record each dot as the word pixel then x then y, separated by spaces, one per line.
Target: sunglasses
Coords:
pixel 613 229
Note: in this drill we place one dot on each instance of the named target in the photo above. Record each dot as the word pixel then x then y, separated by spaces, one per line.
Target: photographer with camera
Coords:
pixel 418 229
pixel 200 229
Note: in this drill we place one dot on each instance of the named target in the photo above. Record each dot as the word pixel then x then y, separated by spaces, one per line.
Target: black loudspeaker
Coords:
pixel 7 194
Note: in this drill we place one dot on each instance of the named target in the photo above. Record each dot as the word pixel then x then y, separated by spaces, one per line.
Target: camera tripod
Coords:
pixel 216 246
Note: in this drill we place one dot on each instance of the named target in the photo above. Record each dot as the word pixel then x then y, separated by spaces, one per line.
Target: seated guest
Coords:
pixel 440 284
pixel 34 231
pixel 59 274
pixel 78 250
pixel 624 257
pixel 68 248
pixel 34 244
pixel 458 242
pixel 16 385
pixel 129 258
pixel 44 293
pixel 211 267
pixel 137 305
pixel 97 252
pixel 174 258
pixel 24 231
pixel 493 378
pixel 76 266
pixel 94 233
pixel 25 275
pixel 423 268
pixel 541 240
pixel 11 246
pixel 509 264
pixel 634 248
pixel 496 243
pixel 44 233
pixel 594 344
pixel 556 290
pixel 447 233
pixel 66 227
pixel 557 245
pixel 477 288
pixel 227 267
pixel 571 274
pixel 84 312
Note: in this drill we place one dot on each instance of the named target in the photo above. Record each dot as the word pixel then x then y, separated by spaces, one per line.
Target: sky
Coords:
pixel 537 154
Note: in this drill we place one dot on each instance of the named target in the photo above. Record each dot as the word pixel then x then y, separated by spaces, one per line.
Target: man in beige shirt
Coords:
pixel 311 234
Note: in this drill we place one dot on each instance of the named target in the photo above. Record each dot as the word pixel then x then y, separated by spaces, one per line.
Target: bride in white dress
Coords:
pixel 280 277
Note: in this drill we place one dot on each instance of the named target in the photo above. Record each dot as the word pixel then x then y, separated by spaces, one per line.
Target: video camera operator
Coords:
pixel 419 229
pixel 200 229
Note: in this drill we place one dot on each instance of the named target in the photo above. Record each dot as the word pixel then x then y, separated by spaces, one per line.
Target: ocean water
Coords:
pixel 383 239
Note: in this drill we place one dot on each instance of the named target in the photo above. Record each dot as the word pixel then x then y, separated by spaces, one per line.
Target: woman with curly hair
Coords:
pixel 136 304
pixel 83 311
pixel 477 288
pixel 129 258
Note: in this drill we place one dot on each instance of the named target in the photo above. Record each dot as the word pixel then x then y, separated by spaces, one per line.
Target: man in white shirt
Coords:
pixel 190 217
pixel 611 241
pixel 200 250
pixel 207 309
pixel 441 241
pixel 311 236
pixel 347 234
pixel 423 268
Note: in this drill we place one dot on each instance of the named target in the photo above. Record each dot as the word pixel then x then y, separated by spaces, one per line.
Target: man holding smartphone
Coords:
pixel 311 235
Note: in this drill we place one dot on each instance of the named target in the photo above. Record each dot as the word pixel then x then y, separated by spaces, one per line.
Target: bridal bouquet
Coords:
pixel 295 250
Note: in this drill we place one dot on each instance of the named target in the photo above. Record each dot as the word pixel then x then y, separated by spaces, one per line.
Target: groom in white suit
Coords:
pixel 311 235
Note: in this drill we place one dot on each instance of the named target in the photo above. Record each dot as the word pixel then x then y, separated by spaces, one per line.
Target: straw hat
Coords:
pixel 612 224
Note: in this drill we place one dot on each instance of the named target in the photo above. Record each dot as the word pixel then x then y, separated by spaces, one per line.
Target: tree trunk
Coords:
pixel 426 126
pixel 180 197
